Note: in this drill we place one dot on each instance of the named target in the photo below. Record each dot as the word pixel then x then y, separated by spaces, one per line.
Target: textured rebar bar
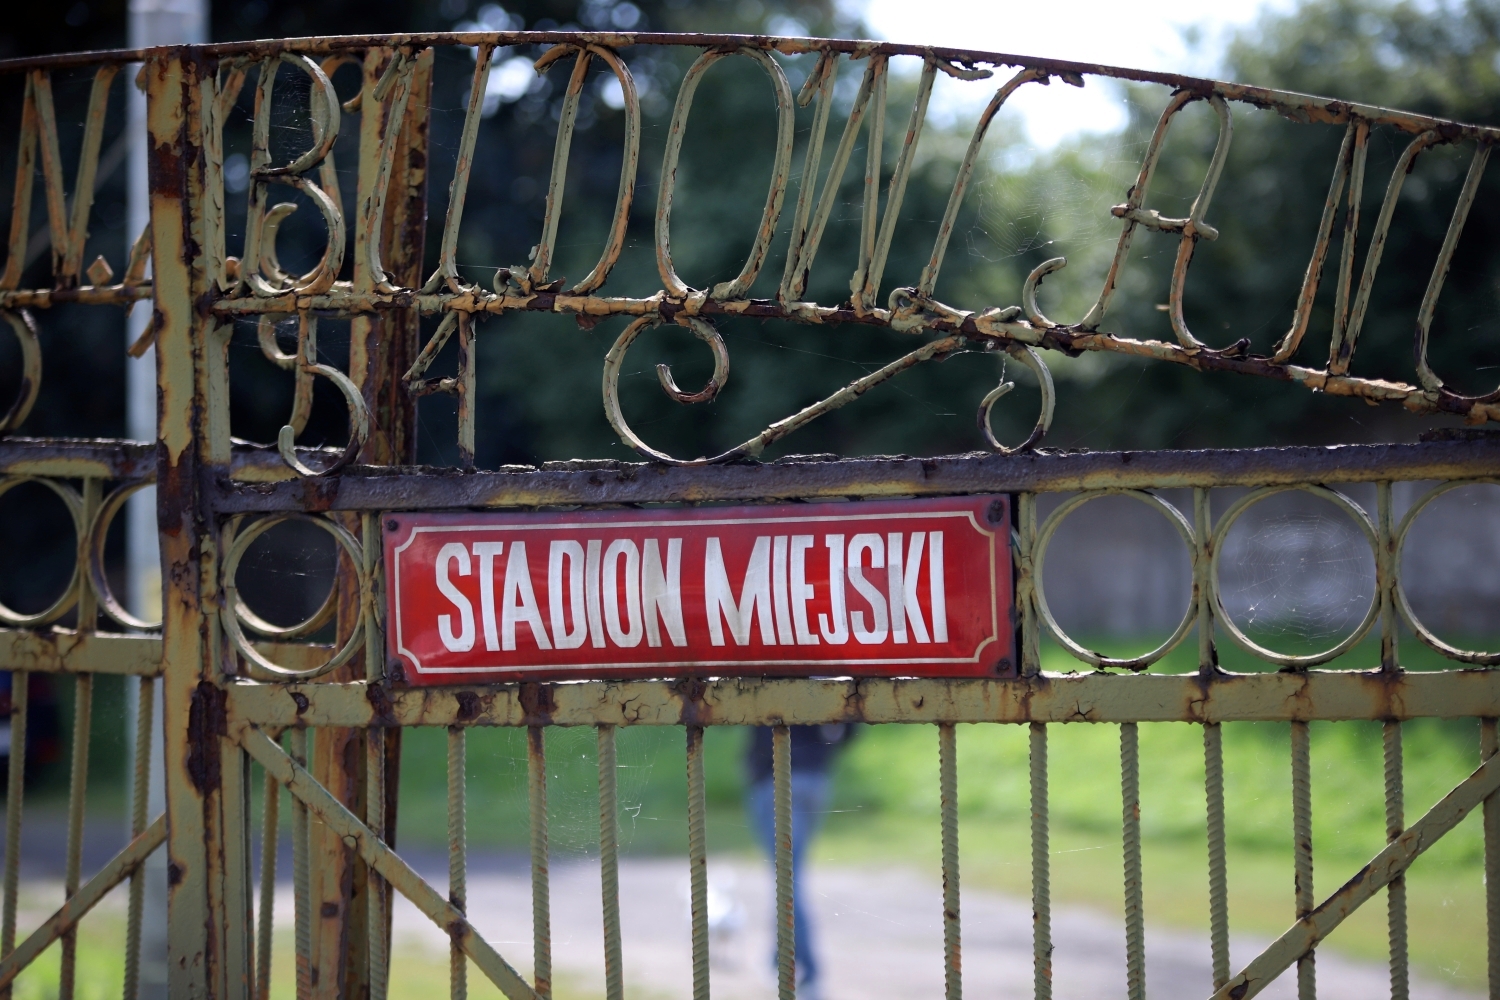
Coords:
pixel 1041 886
pixel 378 893
pixel 14 803
pixel 1130 797
pixel 1218 880
pixel 1395 822
pixel 609 863
pixel 698 859
pixel 83 711
pixel 1307 988
pixel 781 794
pixel 948 791
pixel 140 784
pixel 1489 745
pixel 458 979
pixel 541 890
pixel 270 834
pixel 301 888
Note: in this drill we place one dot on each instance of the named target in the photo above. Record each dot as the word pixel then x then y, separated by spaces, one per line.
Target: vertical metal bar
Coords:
pixel 948 792
pixel 140 787
pixel 15 793
pixel 270 834
pixel 1203 539
pixel 466 390
pixel 1489 745
pixel 1385 579
pixel 193 448
pixel 1307 988
pixel 1026 583
pixel 234 894
pixel 1135 927
pixel 1041 889
pixel 297 748
pixel 609 863
pixel 1213 740
pixel 1395 823
pixel 1218 882
pixel 376 904
pixel 83 710
pixel 458 982
pixel 541 889
pixel 786 928
pixel 698 860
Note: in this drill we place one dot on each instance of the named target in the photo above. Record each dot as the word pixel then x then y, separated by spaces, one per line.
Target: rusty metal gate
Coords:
pixel 322 720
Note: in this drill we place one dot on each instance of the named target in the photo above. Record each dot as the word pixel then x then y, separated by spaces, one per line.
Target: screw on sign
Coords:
pixel 881 588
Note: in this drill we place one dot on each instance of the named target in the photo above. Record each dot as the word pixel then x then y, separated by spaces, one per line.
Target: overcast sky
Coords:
pixel 1141 34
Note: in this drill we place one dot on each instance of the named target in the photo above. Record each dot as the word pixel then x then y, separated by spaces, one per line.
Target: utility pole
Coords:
pixel 152 22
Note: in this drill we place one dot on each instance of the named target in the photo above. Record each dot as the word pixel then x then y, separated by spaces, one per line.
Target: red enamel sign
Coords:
pixel 879 588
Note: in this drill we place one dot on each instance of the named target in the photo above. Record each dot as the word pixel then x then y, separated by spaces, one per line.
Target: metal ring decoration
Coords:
pixel 1403 606
pixel 1044 613
pixel 98 533
pixel 302 629
pixel 69 596
pixel 231 617
pixel 1221 532
pixel 31 369
pixel 1031 359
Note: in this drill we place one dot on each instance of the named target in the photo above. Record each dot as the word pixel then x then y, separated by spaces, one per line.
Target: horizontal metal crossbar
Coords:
pixel 809 477
pixel 112 459
pixel 64 651
pixel 1091 697
pixel 1311 108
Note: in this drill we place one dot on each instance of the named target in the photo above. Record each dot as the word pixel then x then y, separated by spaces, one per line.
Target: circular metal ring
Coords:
pixel 1403 606
pixel 98 533
pixel 1221 532
pixel 1044 537
pixel 69 596
pixel 255 622
pixel 231 615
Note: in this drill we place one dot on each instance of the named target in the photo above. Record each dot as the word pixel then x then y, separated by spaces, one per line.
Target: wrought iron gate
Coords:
pixel 322 720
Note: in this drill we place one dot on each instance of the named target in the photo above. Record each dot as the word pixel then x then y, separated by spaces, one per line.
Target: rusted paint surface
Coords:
pixel 807 477
pixel 1084 697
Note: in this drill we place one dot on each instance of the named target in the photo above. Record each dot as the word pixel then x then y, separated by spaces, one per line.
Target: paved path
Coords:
pixel 879 930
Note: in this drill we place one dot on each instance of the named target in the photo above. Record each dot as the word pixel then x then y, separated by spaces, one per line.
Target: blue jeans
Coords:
pixel 809 800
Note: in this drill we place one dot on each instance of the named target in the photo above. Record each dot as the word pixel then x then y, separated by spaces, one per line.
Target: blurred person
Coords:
pixel 813 751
